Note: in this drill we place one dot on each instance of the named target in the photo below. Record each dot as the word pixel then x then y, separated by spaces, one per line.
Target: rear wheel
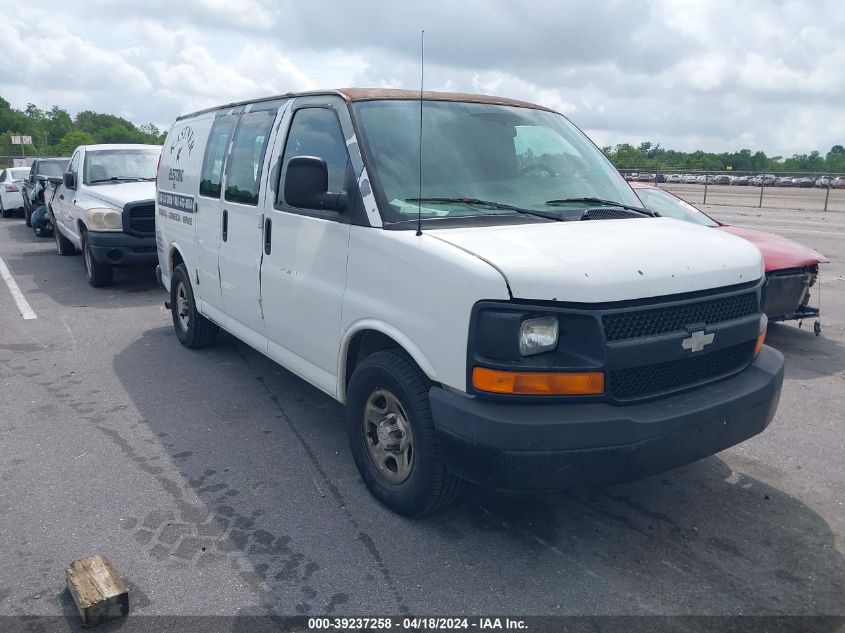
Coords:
pixel 98 274
pixel 392 438
pixel 192 329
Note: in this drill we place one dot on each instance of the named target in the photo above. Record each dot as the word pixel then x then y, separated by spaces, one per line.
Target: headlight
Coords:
pixel 104 220
pixel 538 335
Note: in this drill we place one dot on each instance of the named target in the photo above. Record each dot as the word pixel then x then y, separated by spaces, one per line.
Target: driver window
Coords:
pixel 316 132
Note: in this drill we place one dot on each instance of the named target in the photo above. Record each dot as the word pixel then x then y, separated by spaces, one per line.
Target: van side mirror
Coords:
pixel 307 184
pixel 55 180
pixel 69 180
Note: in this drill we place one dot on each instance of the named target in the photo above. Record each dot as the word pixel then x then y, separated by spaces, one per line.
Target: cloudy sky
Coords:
pixel 714 75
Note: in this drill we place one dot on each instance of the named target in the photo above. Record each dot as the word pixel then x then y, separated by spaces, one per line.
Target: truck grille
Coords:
pixel 649 380
pixel 622 326
pixel 142 219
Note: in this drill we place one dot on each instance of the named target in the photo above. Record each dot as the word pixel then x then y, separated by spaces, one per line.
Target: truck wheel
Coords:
pixel 63 245
pixel 98 275
pixel 391 435
pixel 192 329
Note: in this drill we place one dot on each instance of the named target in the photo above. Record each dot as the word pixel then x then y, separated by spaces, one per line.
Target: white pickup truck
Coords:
pixel 105 208
pixel 485 294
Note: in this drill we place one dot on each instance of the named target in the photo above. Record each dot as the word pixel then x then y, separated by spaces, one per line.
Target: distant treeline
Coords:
pixel 55 133
pixel 654 158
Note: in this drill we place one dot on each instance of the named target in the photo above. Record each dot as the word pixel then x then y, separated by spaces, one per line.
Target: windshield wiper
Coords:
pixel 492 205
pixel 118 179
pixel 606 203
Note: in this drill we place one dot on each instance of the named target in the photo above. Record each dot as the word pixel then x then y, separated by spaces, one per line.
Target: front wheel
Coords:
pixel 391 435
pixel 98 274
pixel 192 329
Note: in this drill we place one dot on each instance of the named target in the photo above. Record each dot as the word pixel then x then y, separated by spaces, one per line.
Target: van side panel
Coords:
pixel 419 290
pixel 177 184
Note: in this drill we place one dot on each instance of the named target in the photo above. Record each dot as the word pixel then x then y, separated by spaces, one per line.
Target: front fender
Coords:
pixel 397 335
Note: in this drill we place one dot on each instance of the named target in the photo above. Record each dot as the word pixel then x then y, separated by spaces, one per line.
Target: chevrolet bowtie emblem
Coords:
pixel 697 341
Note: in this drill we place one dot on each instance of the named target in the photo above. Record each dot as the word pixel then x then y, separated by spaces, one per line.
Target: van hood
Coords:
pixel 122 193
pixel 596 261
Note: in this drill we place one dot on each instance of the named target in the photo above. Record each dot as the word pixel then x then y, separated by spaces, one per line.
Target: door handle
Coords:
pixel 61 196
pixel 268 236
pixel 225 224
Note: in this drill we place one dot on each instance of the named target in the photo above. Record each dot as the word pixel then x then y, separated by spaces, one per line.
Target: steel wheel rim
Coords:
pixel 388 437
pixel 182 307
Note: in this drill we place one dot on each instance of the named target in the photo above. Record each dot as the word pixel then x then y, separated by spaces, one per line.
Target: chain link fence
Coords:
pixel 777 190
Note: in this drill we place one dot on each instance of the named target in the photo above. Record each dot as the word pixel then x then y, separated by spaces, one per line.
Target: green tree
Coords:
pixel 72 140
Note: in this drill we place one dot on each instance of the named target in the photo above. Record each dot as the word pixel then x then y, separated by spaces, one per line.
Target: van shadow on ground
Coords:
pixel 259 451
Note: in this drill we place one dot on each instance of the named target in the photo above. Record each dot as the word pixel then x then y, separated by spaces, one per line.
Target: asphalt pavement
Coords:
pixel 219 483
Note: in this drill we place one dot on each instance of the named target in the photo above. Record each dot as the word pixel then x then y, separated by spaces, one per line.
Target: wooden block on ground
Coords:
pixel 97 590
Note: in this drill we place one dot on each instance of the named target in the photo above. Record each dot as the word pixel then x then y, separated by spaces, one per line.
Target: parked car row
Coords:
pixel 766 180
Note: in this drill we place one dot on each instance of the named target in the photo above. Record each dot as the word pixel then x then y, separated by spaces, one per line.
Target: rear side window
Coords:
pixel 215 154
pixel 243 171
pixel 316 132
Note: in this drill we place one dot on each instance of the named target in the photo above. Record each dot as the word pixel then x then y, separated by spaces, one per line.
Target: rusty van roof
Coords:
pixel 373 94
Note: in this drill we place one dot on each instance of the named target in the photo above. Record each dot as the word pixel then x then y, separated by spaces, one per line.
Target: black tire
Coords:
pixel 98 274
pixel 64 246
pixel 192 329
pixel 429 486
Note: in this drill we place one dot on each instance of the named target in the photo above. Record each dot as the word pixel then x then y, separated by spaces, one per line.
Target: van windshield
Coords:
pixel 482 160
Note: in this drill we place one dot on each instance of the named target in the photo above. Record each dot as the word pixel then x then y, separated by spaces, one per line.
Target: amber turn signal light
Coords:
pixel 761 338
pixel 588 383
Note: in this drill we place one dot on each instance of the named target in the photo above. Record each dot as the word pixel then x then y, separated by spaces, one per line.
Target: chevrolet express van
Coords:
pixel 483 291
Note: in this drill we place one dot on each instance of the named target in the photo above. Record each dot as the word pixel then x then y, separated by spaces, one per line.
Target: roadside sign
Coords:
pixel 21 140
pixel 16 140
pixel 730 167
pixel 27 140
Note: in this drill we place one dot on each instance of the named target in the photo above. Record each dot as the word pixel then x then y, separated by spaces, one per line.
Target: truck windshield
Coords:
pixel 120 165
pixel 507 156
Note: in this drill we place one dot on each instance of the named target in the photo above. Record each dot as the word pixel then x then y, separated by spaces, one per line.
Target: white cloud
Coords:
pixel 689 74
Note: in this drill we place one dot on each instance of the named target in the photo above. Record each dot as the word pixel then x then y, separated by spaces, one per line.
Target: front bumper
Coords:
pixel 123 249
pixel 542 447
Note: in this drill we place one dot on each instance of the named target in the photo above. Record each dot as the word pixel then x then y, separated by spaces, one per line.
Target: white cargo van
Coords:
pixel 486 294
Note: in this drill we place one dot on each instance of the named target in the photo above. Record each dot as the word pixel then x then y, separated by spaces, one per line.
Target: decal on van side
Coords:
pixel 177 202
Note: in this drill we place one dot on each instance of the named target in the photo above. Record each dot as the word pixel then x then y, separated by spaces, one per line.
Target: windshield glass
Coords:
pixel 19 173
pixel 671 206
pixel 121 164
pixel 482 153
pixel 52 168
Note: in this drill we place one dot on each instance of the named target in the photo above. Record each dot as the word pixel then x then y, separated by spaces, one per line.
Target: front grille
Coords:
pixel 142 219
pixel 622 326
pixel 641 382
